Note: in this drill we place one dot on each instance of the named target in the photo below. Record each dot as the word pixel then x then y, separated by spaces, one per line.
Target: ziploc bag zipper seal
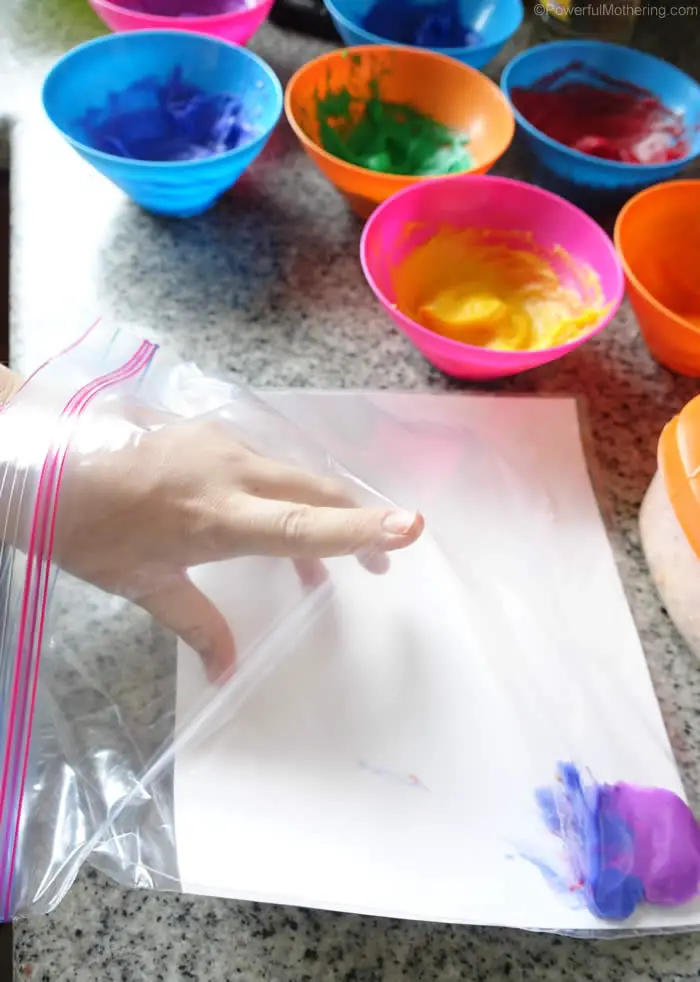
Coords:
pixel 19 695
pixel 88 767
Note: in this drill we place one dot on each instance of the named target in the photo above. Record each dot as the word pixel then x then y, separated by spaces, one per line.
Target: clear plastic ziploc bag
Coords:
pixel 471 738
pixel 87 681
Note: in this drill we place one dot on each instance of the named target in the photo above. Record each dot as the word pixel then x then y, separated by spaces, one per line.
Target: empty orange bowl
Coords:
pixel 450 92
pixel 657 235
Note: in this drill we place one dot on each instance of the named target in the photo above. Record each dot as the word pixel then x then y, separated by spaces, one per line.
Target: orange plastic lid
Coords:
pixel 679 462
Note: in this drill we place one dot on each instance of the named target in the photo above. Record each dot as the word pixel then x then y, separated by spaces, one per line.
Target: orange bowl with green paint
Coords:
pixel 657 235
pixel 451 93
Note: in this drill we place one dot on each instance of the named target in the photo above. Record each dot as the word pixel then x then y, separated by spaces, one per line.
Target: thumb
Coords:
pixel 184 609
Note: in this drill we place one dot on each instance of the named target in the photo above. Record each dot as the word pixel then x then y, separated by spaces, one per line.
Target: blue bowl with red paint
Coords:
pixel 97 75
pixel 486 24
pixel 582 177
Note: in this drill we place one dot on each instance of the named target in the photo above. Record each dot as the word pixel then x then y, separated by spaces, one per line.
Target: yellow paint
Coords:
pixel 498 290
pixel 558 9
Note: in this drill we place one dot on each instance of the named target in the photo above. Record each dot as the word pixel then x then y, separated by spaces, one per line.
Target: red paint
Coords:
pixel 604 117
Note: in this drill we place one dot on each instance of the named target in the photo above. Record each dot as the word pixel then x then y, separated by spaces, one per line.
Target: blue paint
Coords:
pixel 429 25
pixel 548 809
pixel 485 25
pixel 624 844
pixel 169 121
pixel 570 892
pixel 87 76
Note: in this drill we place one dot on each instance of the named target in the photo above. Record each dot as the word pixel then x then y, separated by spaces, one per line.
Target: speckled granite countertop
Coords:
pixel 268 286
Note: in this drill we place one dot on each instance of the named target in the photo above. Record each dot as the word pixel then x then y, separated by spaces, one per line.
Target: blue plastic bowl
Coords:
pixel 85 77
pixel 495 22
pixel 579 176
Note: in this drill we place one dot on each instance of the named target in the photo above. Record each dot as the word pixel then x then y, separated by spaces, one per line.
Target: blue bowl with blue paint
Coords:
pixel 583 178
pixel 492 24
pixel 87 82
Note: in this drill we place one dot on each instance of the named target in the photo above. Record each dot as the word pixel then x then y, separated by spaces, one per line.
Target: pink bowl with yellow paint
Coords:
pixel 413 216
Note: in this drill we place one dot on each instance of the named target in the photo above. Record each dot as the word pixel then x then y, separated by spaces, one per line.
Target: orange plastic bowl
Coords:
pixel 657 235
pixel 445 89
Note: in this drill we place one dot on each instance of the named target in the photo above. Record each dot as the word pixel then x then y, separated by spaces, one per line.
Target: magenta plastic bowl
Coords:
pixel 482 201
pixel 237 26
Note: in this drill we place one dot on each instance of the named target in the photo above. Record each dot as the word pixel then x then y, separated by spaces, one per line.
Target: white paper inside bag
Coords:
pixel 388 764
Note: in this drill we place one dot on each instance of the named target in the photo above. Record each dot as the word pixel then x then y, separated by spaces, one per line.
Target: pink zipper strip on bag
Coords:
pixel 37 371
pixel 76 405
pixel 32 616
pixel 13 702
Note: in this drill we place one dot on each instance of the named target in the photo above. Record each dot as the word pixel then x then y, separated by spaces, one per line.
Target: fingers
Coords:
pixel 311 572
pixel 283 482
pixel 374 562
pixel 281 528
pixel 184 609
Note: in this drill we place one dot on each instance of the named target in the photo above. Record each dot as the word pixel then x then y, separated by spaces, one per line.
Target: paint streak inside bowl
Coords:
pixel 388 137
pixel 428 25
pixel 498 290
pixel 186 8
pixel 174 121
pixel 602 116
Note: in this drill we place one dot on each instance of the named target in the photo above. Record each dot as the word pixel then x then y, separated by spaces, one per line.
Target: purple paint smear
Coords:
pixel 166 122
pixel 428 25
pixel 624 844
pixel 185 8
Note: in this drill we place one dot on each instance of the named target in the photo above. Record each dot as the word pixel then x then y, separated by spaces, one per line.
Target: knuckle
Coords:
pixel 296 524
pixel 204 524
pixel 238 453
pixel 221 436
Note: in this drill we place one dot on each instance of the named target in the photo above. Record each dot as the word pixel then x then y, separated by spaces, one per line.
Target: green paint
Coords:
pixel 389 137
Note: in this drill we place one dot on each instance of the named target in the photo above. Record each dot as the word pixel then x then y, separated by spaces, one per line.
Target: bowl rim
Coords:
pixel 558 350
pixel 669 166
pixel 129 37
pixel 661 188
pixel 209 19
pixel 421 53
pixel 473 48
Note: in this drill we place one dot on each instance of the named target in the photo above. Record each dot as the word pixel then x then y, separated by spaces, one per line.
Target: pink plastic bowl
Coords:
pixel 238 26
pixel 481 201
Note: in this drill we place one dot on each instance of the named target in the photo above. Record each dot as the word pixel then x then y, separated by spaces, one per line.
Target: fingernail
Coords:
pixel 399 522
pixel 219 675
pixel 218 669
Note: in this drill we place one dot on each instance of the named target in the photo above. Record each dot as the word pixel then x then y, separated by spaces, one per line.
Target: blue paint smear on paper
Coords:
pixel 171 121
pixel 624 844
pixel 429 25
pixel 548 809
pixel 557 881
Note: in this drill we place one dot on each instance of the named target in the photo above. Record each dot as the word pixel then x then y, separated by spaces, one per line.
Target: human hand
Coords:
pixel 134 519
